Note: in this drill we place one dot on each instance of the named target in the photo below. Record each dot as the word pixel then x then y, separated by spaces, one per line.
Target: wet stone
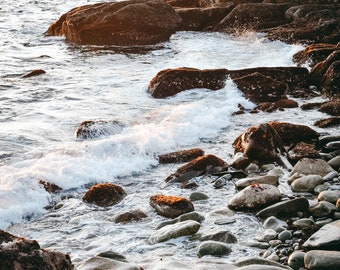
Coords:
pixel 307 183
pixel 296 260
pixel 275 224
pixel 250 261
pixel 285 235
pixel 304 223
pixel 198 196
pixel 308 166
pixel 267 235
pixel 329 195
pixel 335 163
pixel 213 248
pixel 322 209
pixel 322 260
pixel 266 179
pixel 222 236
pixel 105 194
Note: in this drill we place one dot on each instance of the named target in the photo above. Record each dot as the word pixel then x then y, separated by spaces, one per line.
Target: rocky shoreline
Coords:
pixel 301 228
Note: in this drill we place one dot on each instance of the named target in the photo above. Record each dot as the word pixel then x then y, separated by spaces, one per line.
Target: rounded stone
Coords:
pixel 329 195
pixel 267 235
pixel 276 224
pixel 304 223
pixel 307 183
pixel 198 196
pixel 322 209
pixel 213 248
pixel 296 260
pixel 311 166
pixel 322 260
pixel 335 163
pixel 285 235
pixel 104 194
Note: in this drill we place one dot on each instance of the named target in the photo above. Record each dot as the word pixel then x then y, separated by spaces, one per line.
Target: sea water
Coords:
pixel 39 116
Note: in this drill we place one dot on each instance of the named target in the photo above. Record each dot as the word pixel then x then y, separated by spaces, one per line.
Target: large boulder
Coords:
pixel 105 194
pixel 125 23
pixel 20 253
pixel 169 82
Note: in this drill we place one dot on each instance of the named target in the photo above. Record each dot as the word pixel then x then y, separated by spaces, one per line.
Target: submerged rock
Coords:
pixel 20 253
pixel 126 23
pixel 91 129
pixel 134 215
pixel 171 206
pixel 105 194
pixel 33 73
pixel 169 82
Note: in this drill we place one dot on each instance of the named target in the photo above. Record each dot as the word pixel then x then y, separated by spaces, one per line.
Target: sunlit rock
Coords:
pixel 105 194
pixel 171 206
pixel 123 23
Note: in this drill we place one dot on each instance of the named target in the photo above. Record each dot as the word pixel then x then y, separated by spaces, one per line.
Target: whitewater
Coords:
pixel 39 116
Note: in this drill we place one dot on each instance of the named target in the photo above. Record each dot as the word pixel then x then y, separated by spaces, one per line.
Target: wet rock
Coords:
pixel 263 179
pixel 105 194
pixel 166 233
pixel 198 196
pixel 207 164
pixel 304 223
pixel 187 216
pixel 20 253
pixel 180 156
pixel 169 82
pixel 112 255
pixel 328 237
pixel 332 107
pixel 328 122
pixel 275 224
pixel 134 215
pixel 50 187
pixel 255 16
pixel 322 260
pixel 91 129
pixel 296 260
pixel 335 163
pixel 254 197
pixel 213 248
pixel 322 209
pixel 259 261
pixel 306 183
pixel 293 133
pixel 259 143
pixel 285 208
pixel 330 82
pixel 97 262
pixel 171 206
pixel 267 235
pixel 285 235
pixel 286 103
pixel 33 73
pixel 312 166
pixel 260 267
pixel 303 150
pixel 329 195
pixel 222 236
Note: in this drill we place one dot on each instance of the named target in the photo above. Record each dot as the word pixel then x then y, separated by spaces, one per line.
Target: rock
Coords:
pixel 330 82
pixel 127 217
pixel 213 248
pixel 296 260
pixel 166 233
pixel 222 236
pixel 198 196
pixel 293 133
pixel 187 216
pixel 260 267
pixel 50 187
pixel 329 195
pixel 264 179
pixel 90 129
pixel 259 143
pixel 260 88
pixel 331 107
pixel 285 235
pixel 275 224
pixel 171 206
pixel 328 122
pixel 335 163
pixel 207 164
pixel 286 103
pixel 296 79
pixel 33 73
pixel 20 253
pixel 338 205
pixel 105 194
pixel 322 260
pixel 303 150
pixel 267 235
pixel 306 183
pixel 304 224
pixel 255 16
pixel 100 263
pixel 112 255
pixel 309 166
pixel 180 156
pixel 127 23
pixel 322 209
pixel 258 261
pixel 254 197
pixel 169 82
pixel 285 208
pixel 328 237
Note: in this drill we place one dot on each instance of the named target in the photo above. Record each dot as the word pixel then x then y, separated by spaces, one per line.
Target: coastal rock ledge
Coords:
pixel 127 23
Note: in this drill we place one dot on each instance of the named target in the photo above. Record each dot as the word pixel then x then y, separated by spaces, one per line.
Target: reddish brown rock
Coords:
pixel 260 143
pixel 91 129
pixel 303 150
pixel 255 16
pixel 125 23
pixel 50 187
pixel 293 133
pixel 33 73
pixel 277 105
pixel 171 206
pixel 105 194
pixel 332 107
pixel 286 103
pixel 170 82
pixel 134 215
pixel 181 156
pixel 328 122
pixel 200 166
pixel 20 253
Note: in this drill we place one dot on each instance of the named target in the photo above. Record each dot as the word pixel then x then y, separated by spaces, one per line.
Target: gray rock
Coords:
pixel 285 235
pixel 322 222
pixel 264 179
pixel 259 261
pixel 329 195
pixel 213 248
pixel 198 196
pixel 191 216
pixel 253 197
pixel 275 224
pixel 260 267
pixel 328 237
pixel 322 209
pixel 284 208
pixel 304 223
pixel 335 163
pixel 322 260
pixel 175 230
pixel 267 235
pixel 100 263
pixel 311 166
pixel 330 176
pixel 307 183
pixel 296 260
pixel 318 189
pixel 223 236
